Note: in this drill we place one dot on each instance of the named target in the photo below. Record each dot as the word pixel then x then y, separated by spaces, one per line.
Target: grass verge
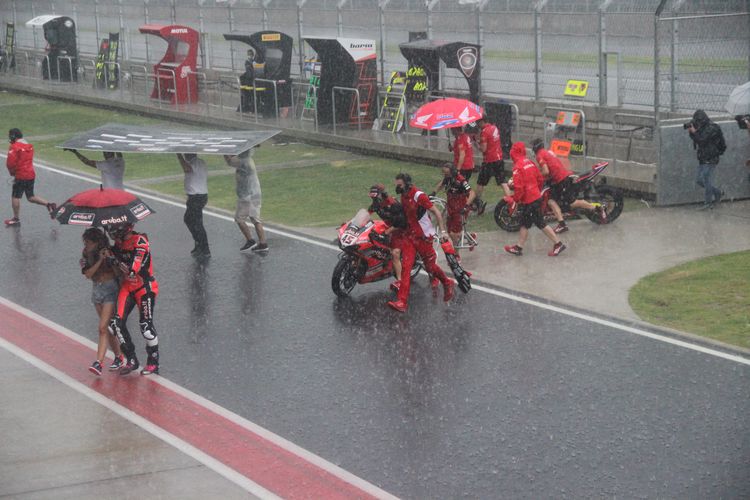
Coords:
pixel 708 297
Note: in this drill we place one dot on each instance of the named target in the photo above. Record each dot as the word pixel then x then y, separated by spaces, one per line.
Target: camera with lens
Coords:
pixel 689 124
pixel 742 121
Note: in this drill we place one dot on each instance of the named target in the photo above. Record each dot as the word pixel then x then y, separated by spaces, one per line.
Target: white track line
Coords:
pixel 491 291
pixel 181 445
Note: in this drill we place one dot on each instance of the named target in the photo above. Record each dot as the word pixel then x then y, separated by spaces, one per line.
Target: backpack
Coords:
pixel 721 144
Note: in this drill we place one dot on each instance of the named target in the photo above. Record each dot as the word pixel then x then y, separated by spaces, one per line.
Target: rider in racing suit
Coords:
pixel 139 287
pixel 392 213
pixel 419 235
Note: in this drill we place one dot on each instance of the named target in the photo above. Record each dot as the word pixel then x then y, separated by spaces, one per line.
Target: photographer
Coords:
pixel 709 141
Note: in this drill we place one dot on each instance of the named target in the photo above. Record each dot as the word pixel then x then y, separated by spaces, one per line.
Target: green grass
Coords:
pixel 316 196
pixel 708 297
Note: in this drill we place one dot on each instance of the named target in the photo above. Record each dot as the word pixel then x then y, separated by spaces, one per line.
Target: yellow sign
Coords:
pixel 270 37
pixel 576 88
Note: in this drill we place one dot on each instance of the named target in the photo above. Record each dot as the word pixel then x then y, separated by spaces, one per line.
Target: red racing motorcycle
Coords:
pixel 365 256
pixel 608 196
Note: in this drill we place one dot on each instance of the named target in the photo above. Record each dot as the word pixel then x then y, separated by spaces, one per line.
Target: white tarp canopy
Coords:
pixel 41 20
pixel 118 138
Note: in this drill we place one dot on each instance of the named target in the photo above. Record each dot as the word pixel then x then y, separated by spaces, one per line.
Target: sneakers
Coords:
pixel 150 369
pixel 557 249
pixel 396 285
pixel 248 245
pixel 260 248
pixel 52 209
pixel 561 227
pixel 117 363
pixel 130 366
pixel 481 208
pixel 449 289
pixel 398 305
pixel 513 249
pixel 705 206
pixel 96 368
pixel 13 221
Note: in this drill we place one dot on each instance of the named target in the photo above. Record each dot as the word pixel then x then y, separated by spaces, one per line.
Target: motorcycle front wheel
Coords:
pixel 343 279
pixel 612 199
pixel 505 220
pixel 416 267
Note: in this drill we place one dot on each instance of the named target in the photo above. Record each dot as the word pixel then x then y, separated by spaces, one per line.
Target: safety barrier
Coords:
pixel 582 125
pixel 306 86
pixel 275 96
pixel 638 122
pixel 333 105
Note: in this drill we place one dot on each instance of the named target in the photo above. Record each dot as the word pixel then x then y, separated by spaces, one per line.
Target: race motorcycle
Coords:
pixel 365 256
pixel 610 197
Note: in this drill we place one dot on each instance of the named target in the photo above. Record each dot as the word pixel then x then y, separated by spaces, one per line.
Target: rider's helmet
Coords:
pixel 119 231
pixel 537 144
pixel 378 191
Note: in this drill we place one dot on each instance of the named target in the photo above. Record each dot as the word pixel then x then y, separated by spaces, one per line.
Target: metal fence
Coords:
pixel 530 49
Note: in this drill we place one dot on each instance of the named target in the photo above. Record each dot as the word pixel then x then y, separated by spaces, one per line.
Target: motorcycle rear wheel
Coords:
pixel 510 223
pixel 343 279
pixel 612 199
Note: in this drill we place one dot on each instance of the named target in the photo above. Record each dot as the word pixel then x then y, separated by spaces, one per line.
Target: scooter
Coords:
pixel 365 256
pixel 611 198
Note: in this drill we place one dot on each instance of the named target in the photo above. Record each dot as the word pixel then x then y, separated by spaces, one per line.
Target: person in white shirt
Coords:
pixel 112 168
pixel 196 189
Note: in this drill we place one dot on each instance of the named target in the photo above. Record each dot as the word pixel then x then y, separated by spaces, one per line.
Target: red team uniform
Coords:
pixel 457 189
pixel 527 187
pixel 419 235
pixel 463 143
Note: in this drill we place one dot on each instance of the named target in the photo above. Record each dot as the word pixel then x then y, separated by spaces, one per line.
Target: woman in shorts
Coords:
pixel 97 265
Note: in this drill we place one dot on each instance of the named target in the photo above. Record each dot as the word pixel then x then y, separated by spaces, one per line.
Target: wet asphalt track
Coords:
pixel 484 398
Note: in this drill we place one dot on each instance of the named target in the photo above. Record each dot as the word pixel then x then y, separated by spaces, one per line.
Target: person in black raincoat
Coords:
pixel 708 140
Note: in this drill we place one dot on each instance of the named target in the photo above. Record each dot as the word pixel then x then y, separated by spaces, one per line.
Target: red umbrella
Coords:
pixel 101 207
pixel 446 113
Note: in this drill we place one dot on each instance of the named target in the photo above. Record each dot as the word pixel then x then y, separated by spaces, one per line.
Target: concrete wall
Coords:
pixel 677 167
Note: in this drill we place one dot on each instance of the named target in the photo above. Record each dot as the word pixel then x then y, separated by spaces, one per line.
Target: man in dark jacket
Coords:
pixel 709 141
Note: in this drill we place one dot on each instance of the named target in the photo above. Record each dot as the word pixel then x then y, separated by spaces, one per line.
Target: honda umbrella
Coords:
pixel 102 207
pixel 446 113
pixel 739 100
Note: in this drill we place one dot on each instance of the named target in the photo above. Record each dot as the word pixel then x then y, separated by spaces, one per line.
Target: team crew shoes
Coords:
pixel 514 249
pixel 557 249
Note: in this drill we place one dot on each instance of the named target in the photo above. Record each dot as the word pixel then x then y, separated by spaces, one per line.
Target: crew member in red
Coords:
pixel 562 192
pixel 492 161
pixel 20 163
pixel 463 153
pixel 460 197
pixel 392 213
pixel 527 185
pixel 419 236
pixel 138 287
